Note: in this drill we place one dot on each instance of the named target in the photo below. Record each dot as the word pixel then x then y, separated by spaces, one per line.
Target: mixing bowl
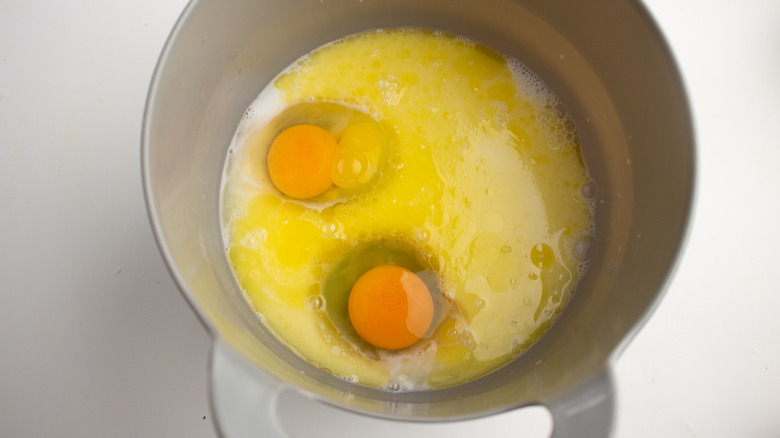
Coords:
pixel 604 58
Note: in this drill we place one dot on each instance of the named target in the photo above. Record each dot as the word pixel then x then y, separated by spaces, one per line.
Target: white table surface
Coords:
pixel 96 341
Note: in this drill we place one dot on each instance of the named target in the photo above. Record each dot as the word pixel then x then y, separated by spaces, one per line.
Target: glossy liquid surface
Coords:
pixel 476 184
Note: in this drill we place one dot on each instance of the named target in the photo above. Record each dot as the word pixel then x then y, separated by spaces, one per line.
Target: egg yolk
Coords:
pixel 300 160
pixel 390 307
pixel 357 155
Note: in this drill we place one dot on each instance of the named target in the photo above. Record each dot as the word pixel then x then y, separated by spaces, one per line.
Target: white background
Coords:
pixel 96 341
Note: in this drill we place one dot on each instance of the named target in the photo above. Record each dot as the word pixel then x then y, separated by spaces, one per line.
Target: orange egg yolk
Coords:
pixel 390 307
pixel 300 159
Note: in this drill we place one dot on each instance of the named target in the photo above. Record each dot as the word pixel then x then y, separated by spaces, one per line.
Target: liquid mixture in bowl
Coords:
pixel 407 209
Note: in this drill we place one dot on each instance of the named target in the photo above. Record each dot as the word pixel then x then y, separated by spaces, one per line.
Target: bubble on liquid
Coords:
pixel 350 168
pixel 453 333
pixel 391 91
pixel 502 117
pixel 583 248
pixel 263 109
pixel 542 256
pixel 468 340
pixel 423 234
pixel 532 87
pixel 588 190
pixel 479 303
pixel 254 239
pixel 394 386
pixel 560 110
pixel 330 227
pixel 506 249
pixel 315 302
pixel 532 275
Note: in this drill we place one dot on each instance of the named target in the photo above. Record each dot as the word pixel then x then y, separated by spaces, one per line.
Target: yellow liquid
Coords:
pixel 479 180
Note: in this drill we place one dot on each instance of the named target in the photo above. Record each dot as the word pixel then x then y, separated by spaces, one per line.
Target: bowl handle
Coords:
pixel 586 411
pixel 243 401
